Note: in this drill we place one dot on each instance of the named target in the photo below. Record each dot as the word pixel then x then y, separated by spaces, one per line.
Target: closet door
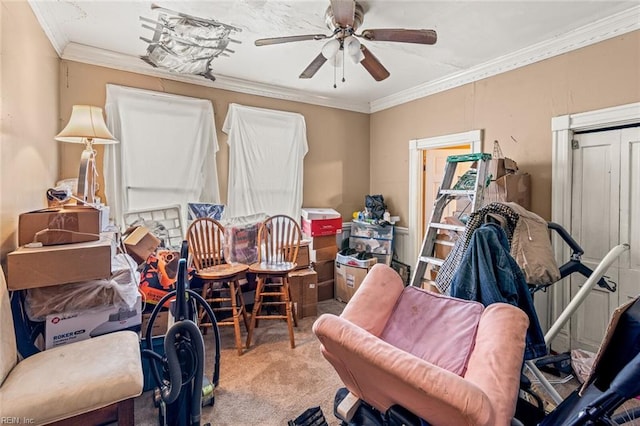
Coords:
pixel 629 264
pixel 595 224
pixel 606 212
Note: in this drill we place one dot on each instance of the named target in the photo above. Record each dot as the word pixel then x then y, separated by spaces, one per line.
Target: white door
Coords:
pixel 629 275
pixel 604 201
pixel 435 162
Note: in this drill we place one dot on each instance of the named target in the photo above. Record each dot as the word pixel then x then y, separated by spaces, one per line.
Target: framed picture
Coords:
pixel 198 210
pixel 403 270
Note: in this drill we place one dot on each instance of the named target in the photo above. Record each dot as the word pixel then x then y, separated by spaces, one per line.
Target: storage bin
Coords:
pixel 370 230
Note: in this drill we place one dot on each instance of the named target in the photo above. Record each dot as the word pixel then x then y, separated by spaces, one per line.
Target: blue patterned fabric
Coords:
pixel 489 274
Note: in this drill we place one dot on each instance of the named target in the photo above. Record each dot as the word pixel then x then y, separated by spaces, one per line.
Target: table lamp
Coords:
pixel 86 126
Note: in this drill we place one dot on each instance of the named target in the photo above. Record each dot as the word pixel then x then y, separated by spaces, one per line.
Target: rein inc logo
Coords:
pixel 17 421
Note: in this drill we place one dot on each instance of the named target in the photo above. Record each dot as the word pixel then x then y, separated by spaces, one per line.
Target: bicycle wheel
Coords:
pixel 627 415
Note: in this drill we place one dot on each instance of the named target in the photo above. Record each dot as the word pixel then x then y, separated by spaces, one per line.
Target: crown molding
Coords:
pixel 603 29
pixel 106 58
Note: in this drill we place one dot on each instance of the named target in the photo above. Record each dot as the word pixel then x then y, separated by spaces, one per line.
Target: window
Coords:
pixel 266 152
pixel 166 154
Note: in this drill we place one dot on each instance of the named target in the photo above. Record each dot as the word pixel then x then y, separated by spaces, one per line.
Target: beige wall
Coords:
pixel 29 107
pixel 514 108
pixel 336 168
pixel 351 154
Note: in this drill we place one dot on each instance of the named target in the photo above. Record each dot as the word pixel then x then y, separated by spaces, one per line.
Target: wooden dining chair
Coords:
pixel 220 280
pixel 279 240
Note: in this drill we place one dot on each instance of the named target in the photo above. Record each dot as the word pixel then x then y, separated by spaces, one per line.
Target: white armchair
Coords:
pixel 85 383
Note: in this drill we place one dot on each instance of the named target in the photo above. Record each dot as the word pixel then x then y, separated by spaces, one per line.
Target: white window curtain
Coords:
pixel 266 152
pixel 167 151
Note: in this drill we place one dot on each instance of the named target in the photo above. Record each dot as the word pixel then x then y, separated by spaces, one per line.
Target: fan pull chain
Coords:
pixel 343 80
pixel 334 78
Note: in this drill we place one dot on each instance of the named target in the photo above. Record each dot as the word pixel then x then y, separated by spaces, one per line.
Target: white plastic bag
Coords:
pixel 582 363
pixel 120 290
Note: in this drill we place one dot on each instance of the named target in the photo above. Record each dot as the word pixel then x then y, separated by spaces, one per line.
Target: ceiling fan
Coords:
pixel 344 17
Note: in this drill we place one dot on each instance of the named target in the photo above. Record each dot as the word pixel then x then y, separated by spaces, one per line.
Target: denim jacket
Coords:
pixel 489 274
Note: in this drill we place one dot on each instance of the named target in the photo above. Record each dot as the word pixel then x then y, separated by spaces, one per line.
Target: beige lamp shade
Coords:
pixel 86 125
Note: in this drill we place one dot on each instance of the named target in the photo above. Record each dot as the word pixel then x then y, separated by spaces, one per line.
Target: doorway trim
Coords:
pixel 563 128
pixel 416 190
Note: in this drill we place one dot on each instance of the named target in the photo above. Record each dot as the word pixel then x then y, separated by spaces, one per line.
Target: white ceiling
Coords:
pixel 476 39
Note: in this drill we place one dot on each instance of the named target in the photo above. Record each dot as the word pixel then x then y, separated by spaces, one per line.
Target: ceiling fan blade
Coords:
pixel 313 67
pixel 344 12
pixel 287 39
pixel 401 35
pixel 373 65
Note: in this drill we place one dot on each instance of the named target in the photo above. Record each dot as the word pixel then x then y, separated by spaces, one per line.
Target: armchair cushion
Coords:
pixel 73 379
pixel 414 329
pixel 385 308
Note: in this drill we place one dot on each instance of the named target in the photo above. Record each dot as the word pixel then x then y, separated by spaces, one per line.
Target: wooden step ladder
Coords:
pixel 445 195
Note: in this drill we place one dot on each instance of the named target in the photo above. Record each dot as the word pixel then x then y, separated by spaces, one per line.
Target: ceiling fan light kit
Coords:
pixel 352 47
pixel 344 17
pixel 331 48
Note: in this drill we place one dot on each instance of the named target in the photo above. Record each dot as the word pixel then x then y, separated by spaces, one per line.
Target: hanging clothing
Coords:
pixel 531 248
pixel 499 212
pixel 489 274
pixel 528 236
pixel 266 152
pixel 166 154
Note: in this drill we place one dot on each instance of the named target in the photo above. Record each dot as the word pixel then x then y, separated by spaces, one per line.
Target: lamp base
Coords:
pixel 87 177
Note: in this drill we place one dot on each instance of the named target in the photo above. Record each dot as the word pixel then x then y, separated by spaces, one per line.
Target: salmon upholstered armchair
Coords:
pixel 448 361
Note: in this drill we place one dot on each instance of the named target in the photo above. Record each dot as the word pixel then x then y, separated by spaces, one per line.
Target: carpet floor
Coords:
pixel 270 383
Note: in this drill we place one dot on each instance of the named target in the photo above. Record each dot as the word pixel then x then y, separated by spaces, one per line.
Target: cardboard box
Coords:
pixel 430 285
pixel 105 212
pixel 304 292
pixel 325 290
pixel 160 325
pixel 140 243
pixel 499 167
pixel 325 270
pixel 60 264
pixel 323 241
pixel 606 341
pixel 311 213
pixel 304 258
pixel 61 329
pixel 321 227
pixel 513 187
pixel 65 225
pixel 443 245
pixel 322 255
pixel 354 261
pixel 347 280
